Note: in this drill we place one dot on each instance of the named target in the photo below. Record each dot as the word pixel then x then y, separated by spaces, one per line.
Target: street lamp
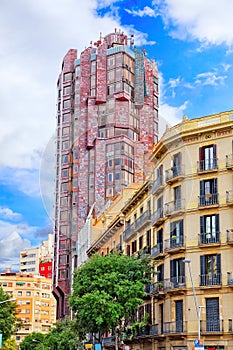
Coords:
pixel 198 308
pixel 6 301
pixel 38 341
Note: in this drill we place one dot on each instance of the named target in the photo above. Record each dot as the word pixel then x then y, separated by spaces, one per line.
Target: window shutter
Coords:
pixel 215 151
pixel 217 222
pixel 201 153
pixel 172 231
pixel 181 227
pixel 215 186
pixel 202 188
pixel 218 258
pixel 128 250
pixel 172 268
pixel 202 224
pixel 202 261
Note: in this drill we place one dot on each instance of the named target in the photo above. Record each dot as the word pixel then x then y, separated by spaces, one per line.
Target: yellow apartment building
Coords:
pixel 36 305
pixel 192 221
pixel 182 216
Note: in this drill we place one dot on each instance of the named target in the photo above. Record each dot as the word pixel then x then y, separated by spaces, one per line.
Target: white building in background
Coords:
pixel 32 257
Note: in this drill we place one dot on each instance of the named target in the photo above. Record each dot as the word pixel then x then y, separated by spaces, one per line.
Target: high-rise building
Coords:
pixel 107 123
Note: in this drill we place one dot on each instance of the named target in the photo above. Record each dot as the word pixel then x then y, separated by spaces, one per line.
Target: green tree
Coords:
pixel 107 291
pixel 63 336
pixel 8 320
pixel 29 344
pixel 10 344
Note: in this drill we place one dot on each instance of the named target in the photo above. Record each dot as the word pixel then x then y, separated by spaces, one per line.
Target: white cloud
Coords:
pixel 208 21
pixel 170 115
pixel 25 180
pixel 146 11
pixel 210 78
pixel 8 214
pixel 10 247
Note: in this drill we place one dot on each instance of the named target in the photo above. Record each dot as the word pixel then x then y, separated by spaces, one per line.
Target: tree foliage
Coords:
pixel 107 290
pixel 29 344
pixel 8 320
pixel 63 336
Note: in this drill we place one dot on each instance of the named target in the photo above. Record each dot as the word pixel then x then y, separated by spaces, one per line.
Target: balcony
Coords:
pixel 230 236
pixel 157 250
pixel 209 238
pixel 209 280
pixel 157 217
pixel 207 165
pixel 229 161
pixel 176 173
pixel 212 326
pixel 229 197
pixel 174 243
pixel 129 232
pixel 173 208
pixel 174 327
pixel 158 185
pixel 157 287
pixel 174 283
pixel 143 220
pixel 208 199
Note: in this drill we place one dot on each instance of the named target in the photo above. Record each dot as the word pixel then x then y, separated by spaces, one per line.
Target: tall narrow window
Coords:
pixel 211 270
pixel 207 158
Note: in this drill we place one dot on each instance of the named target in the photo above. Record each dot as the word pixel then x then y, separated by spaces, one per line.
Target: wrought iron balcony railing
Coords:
pixel 174 172
pixel 157 216
pixel 143 220
pixel 209 238
pixel 174 327
pixel 208 199
pixel 214 279
pixel 174 242
pixel 157 249
pixel 174 206
pixel 212 325
pixel 157 185
pixel 207 165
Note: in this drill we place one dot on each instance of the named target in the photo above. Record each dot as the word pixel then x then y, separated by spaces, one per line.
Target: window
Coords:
pixel 64 186
pixel 207 158
pixel 65 131
pixel 177 272
pixel 209 229
pixel 19 293
pixel 66 104
pixel 67 76
pixel 211 270
pixel 176 166
pixel 28 293
pixel 66 90
pixel 176 234
pixel 42 268
pixel 208 192
pixel 177 198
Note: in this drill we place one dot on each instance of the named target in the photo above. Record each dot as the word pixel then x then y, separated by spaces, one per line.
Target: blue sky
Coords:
pixel 191 41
